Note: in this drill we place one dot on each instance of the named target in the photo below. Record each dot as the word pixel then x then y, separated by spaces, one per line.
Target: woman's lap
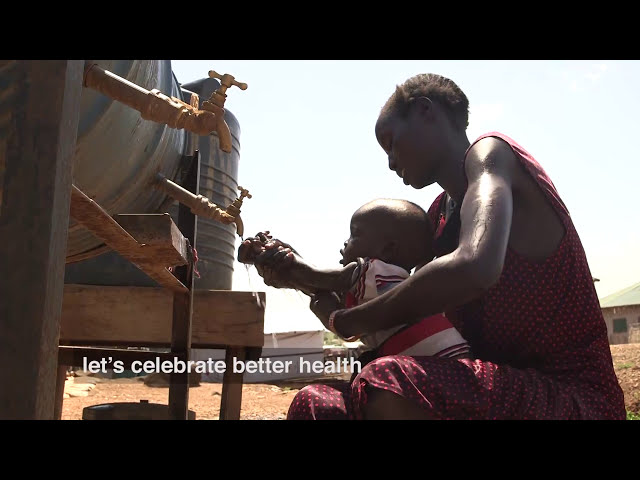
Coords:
pixel 322 402
pixel 445 388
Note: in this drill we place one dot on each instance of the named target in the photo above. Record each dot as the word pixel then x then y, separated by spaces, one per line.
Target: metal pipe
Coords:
pixel 201 205
pixel 158 107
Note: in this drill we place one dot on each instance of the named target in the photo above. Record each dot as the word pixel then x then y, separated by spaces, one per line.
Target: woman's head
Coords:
pixel 395 231
pixel 417 125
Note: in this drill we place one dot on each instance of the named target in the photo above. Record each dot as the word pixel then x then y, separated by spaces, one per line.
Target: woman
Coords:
pixel 511 275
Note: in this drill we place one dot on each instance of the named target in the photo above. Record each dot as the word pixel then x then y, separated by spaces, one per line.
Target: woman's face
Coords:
pixel 409 144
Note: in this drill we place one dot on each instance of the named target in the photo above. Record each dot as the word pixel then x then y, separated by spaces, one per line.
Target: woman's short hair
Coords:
pixel 437 88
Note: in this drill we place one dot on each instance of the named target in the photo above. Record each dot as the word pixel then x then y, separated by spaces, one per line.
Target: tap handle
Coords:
pixel 244 193
pixel 227 80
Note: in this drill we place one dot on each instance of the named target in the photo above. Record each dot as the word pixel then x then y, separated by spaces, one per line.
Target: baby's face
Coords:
pixel 365 240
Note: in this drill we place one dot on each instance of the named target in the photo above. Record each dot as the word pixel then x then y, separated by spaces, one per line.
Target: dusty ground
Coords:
pixel 270 402
pixel 259 401
pixel 626 361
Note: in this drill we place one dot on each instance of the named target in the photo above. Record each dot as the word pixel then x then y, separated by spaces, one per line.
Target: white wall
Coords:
pixel 289 347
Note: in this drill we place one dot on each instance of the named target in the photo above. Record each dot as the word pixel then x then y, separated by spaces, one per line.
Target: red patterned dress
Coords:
pixel 538 335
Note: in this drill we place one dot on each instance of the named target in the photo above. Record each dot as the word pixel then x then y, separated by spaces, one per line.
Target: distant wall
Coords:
pixel 293 347
pixel 616 318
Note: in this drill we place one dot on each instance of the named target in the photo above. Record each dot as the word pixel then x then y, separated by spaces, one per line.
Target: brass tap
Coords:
pixel 234 210
pixel 215 104
pixel 158 107
pixel 226 81
pixel 202 206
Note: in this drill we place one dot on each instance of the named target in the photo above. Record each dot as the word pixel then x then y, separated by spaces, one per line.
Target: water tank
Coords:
pixel 216 242
pixel 218 181
pixel 118 153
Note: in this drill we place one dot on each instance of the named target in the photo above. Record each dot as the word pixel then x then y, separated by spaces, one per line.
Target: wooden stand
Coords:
pixel 94 316
pixel 40 333
pixel 151 248
pixel 39 115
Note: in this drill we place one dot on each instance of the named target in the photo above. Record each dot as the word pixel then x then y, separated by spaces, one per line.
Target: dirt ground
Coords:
pixel 259 401
pixel 626 361
pixel 271 402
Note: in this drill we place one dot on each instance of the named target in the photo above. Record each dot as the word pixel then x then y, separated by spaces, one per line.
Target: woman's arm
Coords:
pixel 467 272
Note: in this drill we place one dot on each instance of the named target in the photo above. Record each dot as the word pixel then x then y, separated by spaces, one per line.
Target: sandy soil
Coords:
pixel 626 361
pixel 271 402
pixel 261 401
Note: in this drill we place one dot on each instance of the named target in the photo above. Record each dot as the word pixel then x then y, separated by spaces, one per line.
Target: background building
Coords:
pixel 621 311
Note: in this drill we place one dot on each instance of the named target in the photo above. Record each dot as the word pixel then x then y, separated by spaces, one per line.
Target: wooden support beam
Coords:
pixel 60 382
pixel 183 308
pixel 142 316
pixel 75 356
pixel 231 398
pixel 40 108
pixel 95 219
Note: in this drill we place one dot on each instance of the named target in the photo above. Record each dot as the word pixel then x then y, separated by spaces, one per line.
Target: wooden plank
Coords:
pixel 95 219
pixel 183 308
pixel 231 398
pixel 38 159
pixel 163 276
pixel 159 236
pixel 76 356
pixel 142 316
pixel 60 381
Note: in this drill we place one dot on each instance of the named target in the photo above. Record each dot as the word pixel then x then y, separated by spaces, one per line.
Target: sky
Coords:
pixel 309 156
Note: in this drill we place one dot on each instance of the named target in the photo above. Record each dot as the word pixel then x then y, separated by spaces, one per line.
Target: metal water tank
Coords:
pixel 216 242
pixel 118 153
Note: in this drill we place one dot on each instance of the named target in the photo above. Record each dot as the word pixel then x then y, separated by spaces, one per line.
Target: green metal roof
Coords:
pixel 626 296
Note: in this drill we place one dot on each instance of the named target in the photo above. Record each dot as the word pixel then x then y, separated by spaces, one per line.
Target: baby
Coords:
pixel 388 239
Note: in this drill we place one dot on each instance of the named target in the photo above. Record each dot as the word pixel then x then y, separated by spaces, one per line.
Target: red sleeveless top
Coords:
pixel 544 316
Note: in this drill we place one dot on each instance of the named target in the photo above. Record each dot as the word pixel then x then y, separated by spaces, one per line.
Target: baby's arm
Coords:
pixel 291 268
pixel 332 279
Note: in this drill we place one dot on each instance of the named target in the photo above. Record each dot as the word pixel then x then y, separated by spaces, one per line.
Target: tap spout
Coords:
pixel 156 106
pixel 202 206
pixel 199 204
pixel 224 134
pixel 239 226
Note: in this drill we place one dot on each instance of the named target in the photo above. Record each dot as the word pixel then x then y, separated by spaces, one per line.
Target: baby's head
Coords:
pixel 395 231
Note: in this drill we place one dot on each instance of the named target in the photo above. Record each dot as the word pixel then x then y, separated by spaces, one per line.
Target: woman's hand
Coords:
pixel 323 304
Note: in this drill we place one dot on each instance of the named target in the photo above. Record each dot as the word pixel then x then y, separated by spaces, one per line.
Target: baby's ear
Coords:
pixel 390 251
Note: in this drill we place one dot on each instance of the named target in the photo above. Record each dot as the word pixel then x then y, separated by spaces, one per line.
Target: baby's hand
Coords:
pixel 277 262
pixel 252 247
pixel 278 256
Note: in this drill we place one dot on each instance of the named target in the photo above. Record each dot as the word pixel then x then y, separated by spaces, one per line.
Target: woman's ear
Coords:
pixel 422 105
